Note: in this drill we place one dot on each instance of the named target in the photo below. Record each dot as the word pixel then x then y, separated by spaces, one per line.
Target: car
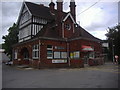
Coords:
pixel 9 63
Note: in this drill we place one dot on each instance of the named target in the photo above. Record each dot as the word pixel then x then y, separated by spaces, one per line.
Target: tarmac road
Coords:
pixel 104 76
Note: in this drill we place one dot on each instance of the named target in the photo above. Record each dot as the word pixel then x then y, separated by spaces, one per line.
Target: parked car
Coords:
pixel 9 63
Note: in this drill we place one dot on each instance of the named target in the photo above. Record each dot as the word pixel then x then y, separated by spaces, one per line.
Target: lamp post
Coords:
pixel 113 49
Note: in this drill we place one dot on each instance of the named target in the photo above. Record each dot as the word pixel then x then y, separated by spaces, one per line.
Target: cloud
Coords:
pixel 99 17
pixel 10 12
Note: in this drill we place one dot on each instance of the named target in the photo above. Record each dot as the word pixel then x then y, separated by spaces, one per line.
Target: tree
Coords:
pixel 114 41
pixel 10 40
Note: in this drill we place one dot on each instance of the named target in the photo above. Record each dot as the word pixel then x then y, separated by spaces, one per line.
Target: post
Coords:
pixel 68 53
pixel 113 50
pixel 39 55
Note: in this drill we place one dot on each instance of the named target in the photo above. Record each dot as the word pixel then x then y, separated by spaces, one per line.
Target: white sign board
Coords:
pixel 59 61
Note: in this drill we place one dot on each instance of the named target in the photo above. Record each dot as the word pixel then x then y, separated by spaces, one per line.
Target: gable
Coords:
pixel 24 9
pixel 67 16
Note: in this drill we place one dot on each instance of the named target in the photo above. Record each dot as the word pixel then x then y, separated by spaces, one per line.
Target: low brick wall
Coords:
pixel 96 61
pixel 49 64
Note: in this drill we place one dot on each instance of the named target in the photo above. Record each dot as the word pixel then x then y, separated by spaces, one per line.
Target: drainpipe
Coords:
pixel 68 53
pixel 39 55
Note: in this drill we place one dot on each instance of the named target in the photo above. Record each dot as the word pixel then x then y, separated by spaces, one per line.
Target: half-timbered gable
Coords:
pixel 32 20
pixel 24 24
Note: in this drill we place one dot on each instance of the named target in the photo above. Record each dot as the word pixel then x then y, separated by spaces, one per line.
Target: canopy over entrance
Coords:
pixel 87 48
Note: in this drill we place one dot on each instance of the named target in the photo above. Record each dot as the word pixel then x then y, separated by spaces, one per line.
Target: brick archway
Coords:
pixel 25 55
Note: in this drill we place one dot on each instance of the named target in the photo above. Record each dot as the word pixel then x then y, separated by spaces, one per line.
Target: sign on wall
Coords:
pixel 75 54
pixel 59 61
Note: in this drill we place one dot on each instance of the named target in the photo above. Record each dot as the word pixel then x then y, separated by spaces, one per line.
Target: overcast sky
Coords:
pixel 95 20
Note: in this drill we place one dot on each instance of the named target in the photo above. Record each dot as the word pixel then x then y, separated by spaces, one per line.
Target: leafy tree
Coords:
pixel 114 40
pixel 10 39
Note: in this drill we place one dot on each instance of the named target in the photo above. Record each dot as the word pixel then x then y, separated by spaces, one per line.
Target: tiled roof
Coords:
pixel 39 10
pixel 47 31
pixel 81 32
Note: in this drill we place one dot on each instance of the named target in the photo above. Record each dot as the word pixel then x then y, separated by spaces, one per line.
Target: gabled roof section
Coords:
pixel 23 6
pixel 49 31
pixel 69 15
pixel 82 33
pixel 39 10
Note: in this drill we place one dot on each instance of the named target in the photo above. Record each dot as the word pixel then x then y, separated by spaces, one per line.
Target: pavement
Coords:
pixel 0 75
pixel 103 76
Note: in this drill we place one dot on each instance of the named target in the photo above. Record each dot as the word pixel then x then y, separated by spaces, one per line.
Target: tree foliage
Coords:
pixel 114 40
pixel 10 40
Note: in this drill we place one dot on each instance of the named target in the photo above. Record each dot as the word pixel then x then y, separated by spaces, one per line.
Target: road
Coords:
pixel 103 76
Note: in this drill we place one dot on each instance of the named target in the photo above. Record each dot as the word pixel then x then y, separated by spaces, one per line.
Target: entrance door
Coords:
pixel 25 56
pixel 86 59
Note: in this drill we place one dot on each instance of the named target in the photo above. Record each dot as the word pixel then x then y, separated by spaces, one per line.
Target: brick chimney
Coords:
pixel 73 9
pixel 52 5
pixel 60 5
pixel 59 16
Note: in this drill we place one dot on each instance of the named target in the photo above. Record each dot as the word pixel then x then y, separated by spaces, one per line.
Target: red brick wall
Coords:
pixel 44 62
pixel 43 50
pixel 68 33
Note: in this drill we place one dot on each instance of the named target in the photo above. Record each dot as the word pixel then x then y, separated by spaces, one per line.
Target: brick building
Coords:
pixel 49 37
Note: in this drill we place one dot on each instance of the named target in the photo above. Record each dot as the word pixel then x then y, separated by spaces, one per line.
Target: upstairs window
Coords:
pixel 24 17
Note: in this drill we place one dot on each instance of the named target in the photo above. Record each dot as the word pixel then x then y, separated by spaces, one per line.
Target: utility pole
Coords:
pixel 113 49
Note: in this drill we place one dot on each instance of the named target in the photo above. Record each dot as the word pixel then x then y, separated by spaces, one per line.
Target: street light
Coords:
pixel 113 49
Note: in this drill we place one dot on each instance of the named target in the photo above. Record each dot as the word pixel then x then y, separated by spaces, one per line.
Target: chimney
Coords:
pixel 60 5
pixel 52 5
pixel 73 9
pixel 59 16
pixel 41 5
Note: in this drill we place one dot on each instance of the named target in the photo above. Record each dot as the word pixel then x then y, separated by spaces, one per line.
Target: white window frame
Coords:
pixel 57 55
pixel 35 51
pixel 50 49
pixel 60 55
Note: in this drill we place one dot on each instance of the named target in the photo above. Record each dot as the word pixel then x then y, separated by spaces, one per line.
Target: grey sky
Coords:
pixel 95 20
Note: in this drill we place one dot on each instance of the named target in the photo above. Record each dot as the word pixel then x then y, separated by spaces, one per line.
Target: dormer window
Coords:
pixel 68 26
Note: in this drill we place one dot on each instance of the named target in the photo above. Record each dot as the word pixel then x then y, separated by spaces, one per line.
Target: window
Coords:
pixel 75 55
pixel 91 55
pixel 49 47
pixel 24 17
pixel 67 26
pixel 35 51
pixel 25 32
pixel 63 54
pixel 49 52
pixel 57 55
pixel 15 54
pixel 60 55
